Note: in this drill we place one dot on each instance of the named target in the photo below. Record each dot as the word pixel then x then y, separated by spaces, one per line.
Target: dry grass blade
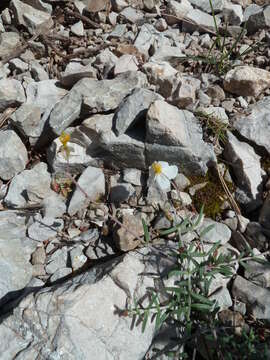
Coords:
pixel 5 115
pixel 228 193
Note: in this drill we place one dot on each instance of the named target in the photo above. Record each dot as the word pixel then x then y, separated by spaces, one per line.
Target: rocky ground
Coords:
pixel 92 93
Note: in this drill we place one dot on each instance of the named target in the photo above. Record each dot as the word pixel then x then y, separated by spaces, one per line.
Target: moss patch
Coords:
pixel 211 196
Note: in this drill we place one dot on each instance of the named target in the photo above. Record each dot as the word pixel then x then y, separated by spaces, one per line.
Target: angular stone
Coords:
pixel 44 94
pixel 124 239
pixel 185 92
pixel 233 13
pixel 199 21
pixel 258 19
pixel 26 119
pixel 33 19
pixel 94 96
pixel 77 29
pixel 145 39
pixel 75 71
pixel 132 176
pixel 246 167
pixel 79 300
pixel 44 229
pixel 179 8
pixel 255 126
pixel 161 74
pixel 11 93
pixel 121 192
pixel 92 181
pixel 219 232
pixel 54 205
pixel 9 41
pixel 58 260
pixel 264 217
pixel 60 273
pixel 247 81
pixel 257 272
pixel 14 261
pixel 37 71
pixel 256 297
pixel 175 136
pixel 29 187
pixel 216 113
pixel 204 5
pixel 77 257
pixel 133 109
pixel 13 154
pixel 125 63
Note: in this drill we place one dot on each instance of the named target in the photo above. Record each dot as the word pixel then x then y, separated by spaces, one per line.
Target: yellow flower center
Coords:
pixel 157 168
pixel 64 138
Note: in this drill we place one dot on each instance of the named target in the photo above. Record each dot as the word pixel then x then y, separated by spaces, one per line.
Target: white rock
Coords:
pixel 78 29
pixel 92 181
pixel 13 154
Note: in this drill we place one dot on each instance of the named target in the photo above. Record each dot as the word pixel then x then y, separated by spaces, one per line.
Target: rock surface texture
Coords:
pixel 134 141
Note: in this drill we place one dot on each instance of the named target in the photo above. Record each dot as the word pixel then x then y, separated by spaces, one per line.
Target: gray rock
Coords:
pixel 44 94
pixel 264 217
pixel 75 71
pixel 132 15
pixel 60 273
pixel 255 127
pixel 251 10
pixel 14 261
pixel 121 192
pixel 258 19
pixel 185 92
pixel 181 181
pixel 179 8
pixel 32 18
pixel 204 5
pixel 219 232
pixel 13 154
pixel 93 177
pixel 39 256
pixel 145 39
pixel 217 113
pixel 29 187
pixel 94 96
pixel 133 109
pixel 132 176
pixel 199 21
pixel 79 156
pixel 257 272
pixel 256 297
pixel 100 249
pixel 26 119
pixel 77 28
pixel 37 71
pixel 9 41
pixel 77 257
pixel 162 75
pixel 58 260
pixel 54 205
pixel 79 300
pixel 126 62
pixel 247 81
pixel 18 65
pixel 105 61
pixel 11 93
pixel 246 167
pixel 125 240
pixel 44 229
pixel 233 13
pixel 175 136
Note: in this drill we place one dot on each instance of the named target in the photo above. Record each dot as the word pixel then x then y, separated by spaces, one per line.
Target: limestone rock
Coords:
pixel 247 81
pixel 11 93
pixel 13 154
pixel 92 181
pixel 29 187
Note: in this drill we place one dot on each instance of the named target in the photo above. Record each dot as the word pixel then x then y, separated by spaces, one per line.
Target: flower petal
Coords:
pixel 170 171
pixel 163 183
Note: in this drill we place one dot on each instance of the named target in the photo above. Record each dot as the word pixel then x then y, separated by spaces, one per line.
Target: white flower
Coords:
pixel 161 172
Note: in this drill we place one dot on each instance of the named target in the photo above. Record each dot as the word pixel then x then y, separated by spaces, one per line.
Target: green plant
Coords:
pixel 188 306
pixel 222 53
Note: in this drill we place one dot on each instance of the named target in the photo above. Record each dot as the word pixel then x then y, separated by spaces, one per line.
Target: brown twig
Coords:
pixel 85 19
